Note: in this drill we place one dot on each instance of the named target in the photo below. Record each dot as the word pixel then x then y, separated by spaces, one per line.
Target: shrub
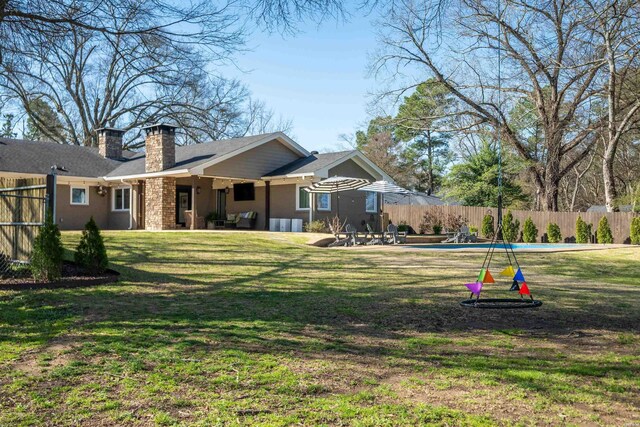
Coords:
pixel 635 231
pixel 403 226
pixel 553 233
pixel 488 229
pixel 437 229
pixel 46 259
pixel 529 231
pixel 604 231
pixel 583 231
pixel 455 222
pixel 473 229
pixel 430 220
pixel 90 252
pixel 510 227
pixel 212 216
pixel 317 226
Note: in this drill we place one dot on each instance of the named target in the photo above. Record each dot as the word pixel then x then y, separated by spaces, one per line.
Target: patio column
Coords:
pixel 267 204
pixel 194 210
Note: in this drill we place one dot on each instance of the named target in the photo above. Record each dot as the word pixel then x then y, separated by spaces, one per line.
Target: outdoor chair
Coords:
pixel 377 238
pixel 394 236
pixel 340 241
pixel 188 217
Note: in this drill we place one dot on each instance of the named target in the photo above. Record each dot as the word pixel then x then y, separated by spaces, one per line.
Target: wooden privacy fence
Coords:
pixel 620 222
pixel 22 211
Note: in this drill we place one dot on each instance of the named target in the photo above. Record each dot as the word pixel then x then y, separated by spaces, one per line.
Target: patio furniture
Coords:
pixel 231 221
pixel 393 236
pixel 188 218
pixel 377 238
pixel 247 220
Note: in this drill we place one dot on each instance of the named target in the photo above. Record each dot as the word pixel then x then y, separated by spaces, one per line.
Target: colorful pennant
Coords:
pixel 519 276
pixel 515 286
pixel 475 288
pixel 488 278
pixel 524 289
pixel 509 272
pixel 481 275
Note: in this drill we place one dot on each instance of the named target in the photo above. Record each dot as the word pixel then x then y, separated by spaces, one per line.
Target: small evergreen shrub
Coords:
pixel 437 229
pixel 90 252
pixel 553 233
pixel 473 229
pixel 488 229
pixel 635 231
pixel 317 226
pixel 46 259
pixel 510 227
pixel 529 231
pixel 583 231
pixel 604 231
pixel 403 227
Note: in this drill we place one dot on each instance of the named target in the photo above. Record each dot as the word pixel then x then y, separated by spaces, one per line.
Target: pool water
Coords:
pixel 515 246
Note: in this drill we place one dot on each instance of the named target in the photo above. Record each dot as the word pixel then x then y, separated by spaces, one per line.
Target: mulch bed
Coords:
pixel 73 276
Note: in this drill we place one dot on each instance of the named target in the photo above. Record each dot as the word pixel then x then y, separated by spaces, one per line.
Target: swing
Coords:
pixel 485 277
pixel 518 283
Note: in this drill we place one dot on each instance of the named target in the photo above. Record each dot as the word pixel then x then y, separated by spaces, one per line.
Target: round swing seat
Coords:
pixel 500 303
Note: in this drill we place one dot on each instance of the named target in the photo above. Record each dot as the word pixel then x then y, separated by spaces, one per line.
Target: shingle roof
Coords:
pixel 35 157
pixel 189 156
pixel 603 208
pixel 310 164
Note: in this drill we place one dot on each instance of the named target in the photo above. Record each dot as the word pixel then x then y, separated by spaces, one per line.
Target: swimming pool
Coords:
pixel 516 246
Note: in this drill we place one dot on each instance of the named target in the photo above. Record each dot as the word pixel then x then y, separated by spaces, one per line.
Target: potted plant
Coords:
pixel 210 219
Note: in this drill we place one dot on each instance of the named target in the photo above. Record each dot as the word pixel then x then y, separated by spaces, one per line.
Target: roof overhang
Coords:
pixel 61 179
pixel 175 173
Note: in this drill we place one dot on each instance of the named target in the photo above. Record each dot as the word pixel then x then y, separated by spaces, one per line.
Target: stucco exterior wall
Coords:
pixel 256 205
pixel 74 217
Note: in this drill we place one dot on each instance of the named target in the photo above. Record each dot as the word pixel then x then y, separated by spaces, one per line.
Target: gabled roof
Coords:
pixel 319 165
pixel 35 157
pixel 309 165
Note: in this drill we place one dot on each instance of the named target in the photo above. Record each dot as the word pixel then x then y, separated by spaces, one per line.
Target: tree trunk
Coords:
pixel 430 160
pixel 610 192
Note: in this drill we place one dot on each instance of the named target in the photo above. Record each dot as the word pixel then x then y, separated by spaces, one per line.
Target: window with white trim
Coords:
pixel 79 195
pixel 121 199
pixel 302 198
pixel 371 202
pixel 324 201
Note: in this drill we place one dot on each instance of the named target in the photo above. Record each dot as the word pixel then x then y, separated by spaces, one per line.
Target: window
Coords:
pixel 121 199
pixel 244 192
pixel 79 195
pixel 371 203
pixel 302 198
pixel 324 201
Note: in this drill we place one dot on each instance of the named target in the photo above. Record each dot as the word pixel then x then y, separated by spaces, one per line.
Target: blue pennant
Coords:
pixel 519 276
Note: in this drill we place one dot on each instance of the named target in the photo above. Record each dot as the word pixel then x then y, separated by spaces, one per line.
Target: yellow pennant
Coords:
pixel 509 272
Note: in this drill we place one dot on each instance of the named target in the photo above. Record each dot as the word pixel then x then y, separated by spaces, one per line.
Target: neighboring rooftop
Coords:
pixel 416 198
pixel 603 208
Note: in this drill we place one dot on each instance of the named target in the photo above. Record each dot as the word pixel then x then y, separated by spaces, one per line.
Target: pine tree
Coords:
pixel 583 231
pixel 510 227
pixel 487 226
pixel 46 259
pixel 635 231
pixel 91 253
pixel 553 233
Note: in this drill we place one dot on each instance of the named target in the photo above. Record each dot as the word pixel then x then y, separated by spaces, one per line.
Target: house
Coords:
pixel 152 190
pixel 414 198
pixel 603 208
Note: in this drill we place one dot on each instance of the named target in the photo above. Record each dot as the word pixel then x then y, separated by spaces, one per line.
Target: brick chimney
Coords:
pixel 160 146
pixel 110 142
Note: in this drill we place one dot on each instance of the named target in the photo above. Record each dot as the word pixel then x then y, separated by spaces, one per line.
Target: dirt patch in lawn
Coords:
pixel 73 276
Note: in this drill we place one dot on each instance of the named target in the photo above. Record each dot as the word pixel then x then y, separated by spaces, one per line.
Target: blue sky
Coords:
pixel 316 78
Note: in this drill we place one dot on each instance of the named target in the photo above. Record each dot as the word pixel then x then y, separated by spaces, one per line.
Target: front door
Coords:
pixel 183 203
pixel 221 204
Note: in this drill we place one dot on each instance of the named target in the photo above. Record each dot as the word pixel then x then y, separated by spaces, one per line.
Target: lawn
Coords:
pixel 240 328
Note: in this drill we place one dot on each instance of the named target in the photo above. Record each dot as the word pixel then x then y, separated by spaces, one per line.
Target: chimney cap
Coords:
pixel 108 129
pixel 314 153
pixel 159 126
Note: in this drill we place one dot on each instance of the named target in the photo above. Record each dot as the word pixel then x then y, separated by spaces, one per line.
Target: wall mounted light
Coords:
pixel 198 189
pixel 226 190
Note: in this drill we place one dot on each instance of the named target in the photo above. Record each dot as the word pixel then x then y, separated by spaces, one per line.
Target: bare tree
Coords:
pixel 544 60
pixel 616 28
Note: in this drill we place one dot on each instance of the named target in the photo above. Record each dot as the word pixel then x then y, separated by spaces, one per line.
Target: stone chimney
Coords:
pixel 110 142
pixel 160 146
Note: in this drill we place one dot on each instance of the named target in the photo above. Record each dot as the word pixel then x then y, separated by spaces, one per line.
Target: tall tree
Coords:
pixel 557 74
pixel 421 123
pixel 7 125
pixel 43 123
pixel 474 182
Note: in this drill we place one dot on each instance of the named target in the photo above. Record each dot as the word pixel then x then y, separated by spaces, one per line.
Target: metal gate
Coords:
pixel 23 204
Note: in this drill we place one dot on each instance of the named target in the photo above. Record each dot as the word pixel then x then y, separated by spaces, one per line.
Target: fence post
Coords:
pixel 50 197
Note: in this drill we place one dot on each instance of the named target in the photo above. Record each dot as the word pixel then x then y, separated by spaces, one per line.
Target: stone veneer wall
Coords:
pixel 160 203
pixel 160 147
pixel 110 143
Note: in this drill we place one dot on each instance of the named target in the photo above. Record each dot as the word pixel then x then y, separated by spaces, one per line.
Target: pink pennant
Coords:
pixel 475 287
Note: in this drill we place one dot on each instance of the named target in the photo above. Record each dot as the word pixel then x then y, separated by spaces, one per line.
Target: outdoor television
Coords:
pixel 243 192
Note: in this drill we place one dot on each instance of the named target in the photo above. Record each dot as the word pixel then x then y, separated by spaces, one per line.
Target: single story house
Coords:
pixel 152 189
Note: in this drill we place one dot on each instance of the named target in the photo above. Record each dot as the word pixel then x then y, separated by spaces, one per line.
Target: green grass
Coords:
pixel 240 328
